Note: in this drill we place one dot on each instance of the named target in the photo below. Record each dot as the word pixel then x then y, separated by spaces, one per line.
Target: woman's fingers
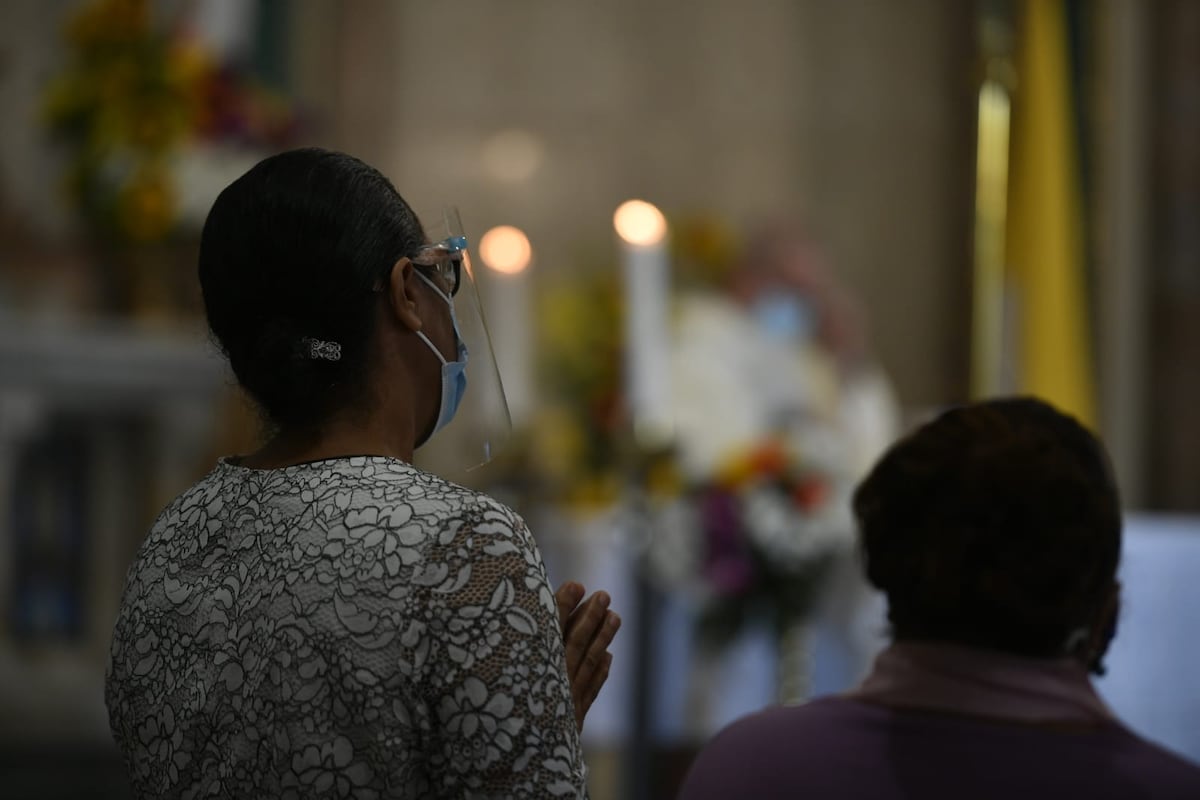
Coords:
pixel 588 630
pixel 593 667
pixel 582 626
pixel 600 641
pixel 593 657
pixel 593 689
pixel 567 598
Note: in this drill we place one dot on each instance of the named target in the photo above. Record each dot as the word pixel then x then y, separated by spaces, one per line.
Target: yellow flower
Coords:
pixel 704 248
pixel 104 21
pixel 558 442
pixel 155 124
pixel 146 205
pixel 188 62
pixel 735 471
pixel 117 82
pixel 664 479
pixel 595 492
pixel 108 131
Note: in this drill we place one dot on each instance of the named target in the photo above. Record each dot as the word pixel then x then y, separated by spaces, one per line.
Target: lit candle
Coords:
pixel 643 232
pixel 506 251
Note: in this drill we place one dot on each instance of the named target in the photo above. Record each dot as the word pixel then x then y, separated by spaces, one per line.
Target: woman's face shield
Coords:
pixel 482 426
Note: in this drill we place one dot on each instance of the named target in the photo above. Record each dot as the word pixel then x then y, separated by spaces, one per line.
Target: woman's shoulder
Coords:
pixel 380 511
pixel 388 500
pixel 340 484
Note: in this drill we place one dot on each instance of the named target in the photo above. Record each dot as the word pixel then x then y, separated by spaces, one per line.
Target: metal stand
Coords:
pixel 640 778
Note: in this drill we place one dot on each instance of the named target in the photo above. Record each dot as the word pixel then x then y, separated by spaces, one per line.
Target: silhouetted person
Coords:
pixel 995 532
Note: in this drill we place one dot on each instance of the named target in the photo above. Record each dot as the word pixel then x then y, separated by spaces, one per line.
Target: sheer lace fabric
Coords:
pixel 350 628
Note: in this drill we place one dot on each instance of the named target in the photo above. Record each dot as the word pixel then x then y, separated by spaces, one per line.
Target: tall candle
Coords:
pixel 646 272
pixel 507 252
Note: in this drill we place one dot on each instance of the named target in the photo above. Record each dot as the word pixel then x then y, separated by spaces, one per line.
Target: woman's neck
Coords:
pixel 338 439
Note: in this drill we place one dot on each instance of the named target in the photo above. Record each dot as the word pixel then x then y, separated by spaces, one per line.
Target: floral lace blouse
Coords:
pixel 350 628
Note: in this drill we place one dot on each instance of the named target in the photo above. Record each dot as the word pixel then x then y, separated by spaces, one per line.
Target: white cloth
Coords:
pixel 869 415
pixel 736 388
pixel 352 627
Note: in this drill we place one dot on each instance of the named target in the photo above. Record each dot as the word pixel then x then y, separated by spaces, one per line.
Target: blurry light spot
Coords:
pixel 505 249
pixel 512 155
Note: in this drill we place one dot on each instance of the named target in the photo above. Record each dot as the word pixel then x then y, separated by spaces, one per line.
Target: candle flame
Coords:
pixel 640 223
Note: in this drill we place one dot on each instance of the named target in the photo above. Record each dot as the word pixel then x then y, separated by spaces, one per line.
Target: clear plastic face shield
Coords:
pixel 480 426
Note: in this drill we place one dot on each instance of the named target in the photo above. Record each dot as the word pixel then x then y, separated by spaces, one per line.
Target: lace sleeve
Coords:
pixel 497 690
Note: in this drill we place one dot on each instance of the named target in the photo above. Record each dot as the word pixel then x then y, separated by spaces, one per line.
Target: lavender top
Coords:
pixel 843 748
pixel 941 722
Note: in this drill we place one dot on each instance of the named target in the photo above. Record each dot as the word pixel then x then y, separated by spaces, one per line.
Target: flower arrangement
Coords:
pixel 133 93
pixel 703 249
pixel 767 526
pixel 763 465
pixel 748 510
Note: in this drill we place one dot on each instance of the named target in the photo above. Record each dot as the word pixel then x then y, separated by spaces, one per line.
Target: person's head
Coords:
pixel 310 291
pixel 783 276
pixel 998 526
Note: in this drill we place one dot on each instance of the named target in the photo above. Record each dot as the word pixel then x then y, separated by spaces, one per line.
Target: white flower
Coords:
pixel 675 550
pixel 790 537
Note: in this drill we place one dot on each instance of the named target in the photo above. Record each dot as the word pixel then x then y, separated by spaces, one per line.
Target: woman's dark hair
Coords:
pixel 291 252
pixel 996 525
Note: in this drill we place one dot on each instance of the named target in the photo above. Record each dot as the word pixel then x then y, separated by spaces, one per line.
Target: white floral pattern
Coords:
pixel 349 628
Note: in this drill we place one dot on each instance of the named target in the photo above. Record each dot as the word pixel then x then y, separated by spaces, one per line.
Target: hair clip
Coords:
pixel 317 349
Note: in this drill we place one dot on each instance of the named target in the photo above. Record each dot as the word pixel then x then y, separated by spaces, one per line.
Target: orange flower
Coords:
pixel 769 459
pixel 810 493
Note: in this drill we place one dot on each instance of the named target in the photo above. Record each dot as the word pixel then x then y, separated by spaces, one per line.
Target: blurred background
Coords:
pixel 956 199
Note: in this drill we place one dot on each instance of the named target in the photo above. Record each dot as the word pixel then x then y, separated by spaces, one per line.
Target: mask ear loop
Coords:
pixel 458 345
pixel 449 300
pixel 430 345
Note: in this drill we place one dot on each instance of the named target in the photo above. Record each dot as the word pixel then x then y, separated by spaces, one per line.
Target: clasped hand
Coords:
pixel 588 628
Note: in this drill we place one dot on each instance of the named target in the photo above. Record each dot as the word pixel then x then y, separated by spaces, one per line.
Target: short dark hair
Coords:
pixel 291 251
pixel 996 525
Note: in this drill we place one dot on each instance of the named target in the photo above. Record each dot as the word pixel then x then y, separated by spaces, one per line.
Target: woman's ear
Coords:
pixel 401 291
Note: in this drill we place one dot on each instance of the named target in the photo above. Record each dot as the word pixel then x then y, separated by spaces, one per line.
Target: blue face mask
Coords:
pixel 454 373
pixel 784 317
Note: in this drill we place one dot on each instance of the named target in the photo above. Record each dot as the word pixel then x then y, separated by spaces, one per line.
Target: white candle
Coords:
pixel 507 252
pixel 647 280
